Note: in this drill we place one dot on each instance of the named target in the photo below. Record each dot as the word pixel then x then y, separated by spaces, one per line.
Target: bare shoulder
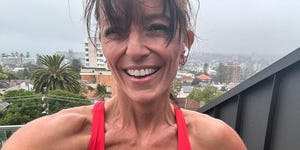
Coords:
pixel 206 132
pixel 67 126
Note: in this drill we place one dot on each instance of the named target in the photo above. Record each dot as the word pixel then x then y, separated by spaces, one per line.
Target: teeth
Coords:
pixel 140 72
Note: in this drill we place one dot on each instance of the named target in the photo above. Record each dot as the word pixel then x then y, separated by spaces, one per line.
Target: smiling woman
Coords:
pixel 144 43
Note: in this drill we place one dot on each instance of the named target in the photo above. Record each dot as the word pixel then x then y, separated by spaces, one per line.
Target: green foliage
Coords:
pixel 101 91
pixel 205 68
pixel 60 99
pixel 22 74
pixel 221 73
pixel 206 95
pixel 26 106
pixel 196 82
pixel 75 65
pixel 6 75
pixel 176 87
pixel 55 75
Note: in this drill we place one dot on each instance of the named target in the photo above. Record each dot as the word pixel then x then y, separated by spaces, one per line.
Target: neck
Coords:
pixel 144 117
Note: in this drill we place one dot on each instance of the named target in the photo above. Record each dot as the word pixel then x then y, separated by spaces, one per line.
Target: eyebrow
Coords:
pixel 156 16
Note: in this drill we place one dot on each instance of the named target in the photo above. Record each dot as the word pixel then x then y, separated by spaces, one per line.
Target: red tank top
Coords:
pixel 97 136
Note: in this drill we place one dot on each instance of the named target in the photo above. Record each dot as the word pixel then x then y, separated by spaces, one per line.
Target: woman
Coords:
pixel 144 42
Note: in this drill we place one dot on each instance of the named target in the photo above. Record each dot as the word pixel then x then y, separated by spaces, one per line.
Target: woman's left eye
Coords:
pixel 158 28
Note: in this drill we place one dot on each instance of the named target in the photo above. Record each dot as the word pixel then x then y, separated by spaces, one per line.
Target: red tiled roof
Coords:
pixel 204 77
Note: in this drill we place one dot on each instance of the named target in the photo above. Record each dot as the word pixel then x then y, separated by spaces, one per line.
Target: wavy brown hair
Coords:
pixel 179 11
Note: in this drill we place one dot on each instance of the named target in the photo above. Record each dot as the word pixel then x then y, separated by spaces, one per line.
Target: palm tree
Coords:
pixel 101 91
pixel 55 75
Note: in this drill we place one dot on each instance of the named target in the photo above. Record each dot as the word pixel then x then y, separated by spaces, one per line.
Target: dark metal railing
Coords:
pixel 264 109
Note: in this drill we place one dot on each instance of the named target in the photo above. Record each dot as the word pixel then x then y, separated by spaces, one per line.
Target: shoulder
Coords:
pixel 68 125
pixel 210 133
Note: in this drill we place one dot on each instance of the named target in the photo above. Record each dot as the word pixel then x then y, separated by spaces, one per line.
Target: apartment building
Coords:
pixel 94 54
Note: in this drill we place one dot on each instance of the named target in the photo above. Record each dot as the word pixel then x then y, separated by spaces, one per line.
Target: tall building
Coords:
pixel 94 54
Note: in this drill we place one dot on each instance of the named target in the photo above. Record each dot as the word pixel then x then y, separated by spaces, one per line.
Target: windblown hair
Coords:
pixel 179 21
pixel 179 11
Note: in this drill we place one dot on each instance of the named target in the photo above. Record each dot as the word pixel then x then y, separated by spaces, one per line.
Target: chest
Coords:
pixel 131 140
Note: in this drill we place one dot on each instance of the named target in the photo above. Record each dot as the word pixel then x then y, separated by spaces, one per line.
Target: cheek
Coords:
pixel 110 52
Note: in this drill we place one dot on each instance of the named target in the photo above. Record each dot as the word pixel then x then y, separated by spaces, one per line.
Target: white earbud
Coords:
pixel 186 51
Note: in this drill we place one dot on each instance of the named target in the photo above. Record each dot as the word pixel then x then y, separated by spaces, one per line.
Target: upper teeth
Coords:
pixel 140 72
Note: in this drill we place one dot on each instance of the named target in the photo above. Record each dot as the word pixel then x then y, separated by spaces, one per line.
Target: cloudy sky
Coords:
pixel 223 26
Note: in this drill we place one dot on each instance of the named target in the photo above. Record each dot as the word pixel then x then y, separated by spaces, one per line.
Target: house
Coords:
pixel 185 91
pixel 204 78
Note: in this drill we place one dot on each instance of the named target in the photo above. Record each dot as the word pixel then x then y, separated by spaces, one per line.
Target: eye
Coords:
pixel 160 28
pixel 115 33
pixel 112 31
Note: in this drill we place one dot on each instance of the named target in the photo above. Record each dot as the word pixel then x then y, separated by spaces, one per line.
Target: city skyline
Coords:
pixel 230 26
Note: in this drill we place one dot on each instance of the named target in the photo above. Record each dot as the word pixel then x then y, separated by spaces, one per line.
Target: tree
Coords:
pixel 205 68
pixel 75 65
pixel 221 73
pixel 55 75
pixel 176 88
pixel 25 106
pixel 208 94
pixel 101 91
pixel 196 82
pixel 60 99
pixel 6 75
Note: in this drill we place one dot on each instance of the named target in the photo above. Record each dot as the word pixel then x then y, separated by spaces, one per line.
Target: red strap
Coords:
pixel 97 135
pixel 182 135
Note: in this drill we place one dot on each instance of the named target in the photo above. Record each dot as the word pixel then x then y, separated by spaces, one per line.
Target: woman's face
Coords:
pixel 142 61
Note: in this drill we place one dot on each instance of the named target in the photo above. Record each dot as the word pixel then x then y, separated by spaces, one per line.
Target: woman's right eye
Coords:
pixel 112 31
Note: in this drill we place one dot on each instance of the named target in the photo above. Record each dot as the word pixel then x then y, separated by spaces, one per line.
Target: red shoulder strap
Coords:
pixel 97 135
pixel 182 134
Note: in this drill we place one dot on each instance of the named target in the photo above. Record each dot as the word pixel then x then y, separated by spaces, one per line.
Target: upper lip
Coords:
pixel 141 67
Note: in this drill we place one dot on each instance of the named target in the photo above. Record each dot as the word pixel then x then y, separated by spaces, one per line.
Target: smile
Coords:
pixel 141 72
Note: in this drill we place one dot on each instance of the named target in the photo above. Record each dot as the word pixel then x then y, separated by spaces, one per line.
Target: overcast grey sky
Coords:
pixel 226 26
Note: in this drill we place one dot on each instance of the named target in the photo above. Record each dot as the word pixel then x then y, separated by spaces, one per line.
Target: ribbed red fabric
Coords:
pixel 182 134
pixel 97 137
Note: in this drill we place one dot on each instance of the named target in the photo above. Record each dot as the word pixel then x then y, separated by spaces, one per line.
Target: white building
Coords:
pixel 94 54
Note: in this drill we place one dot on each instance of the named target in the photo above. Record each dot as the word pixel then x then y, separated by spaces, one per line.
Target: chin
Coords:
pixel 145 97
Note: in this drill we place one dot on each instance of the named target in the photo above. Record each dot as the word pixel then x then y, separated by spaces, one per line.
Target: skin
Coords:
pixel 141 111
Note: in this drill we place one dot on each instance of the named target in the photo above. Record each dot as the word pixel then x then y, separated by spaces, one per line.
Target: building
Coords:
pixel 70 54
pixel 15 60
pixel 233 73
pixel 94 54
pixel 93 76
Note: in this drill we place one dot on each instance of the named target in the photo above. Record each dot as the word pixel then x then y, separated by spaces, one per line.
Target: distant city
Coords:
pixel 203 70
pixel 244 66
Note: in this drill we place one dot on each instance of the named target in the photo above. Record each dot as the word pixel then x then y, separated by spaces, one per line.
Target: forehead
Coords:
pixel 133 10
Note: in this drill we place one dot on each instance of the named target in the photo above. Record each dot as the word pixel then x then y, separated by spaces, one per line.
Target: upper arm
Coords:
pixel 227 138
pixel 209 133
pixel 53 130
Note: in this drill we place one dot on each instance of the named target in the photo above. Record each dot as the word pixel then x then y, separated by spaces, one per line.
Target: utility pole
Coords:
pixel 45 100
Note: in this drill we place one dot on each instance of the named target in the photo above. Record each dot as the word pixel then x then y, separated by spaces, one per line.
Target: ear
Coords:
pixel 189 40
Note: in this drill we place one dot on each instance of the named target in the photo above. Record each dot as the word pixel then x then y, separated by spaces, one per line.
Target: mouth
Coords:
pixel 140 73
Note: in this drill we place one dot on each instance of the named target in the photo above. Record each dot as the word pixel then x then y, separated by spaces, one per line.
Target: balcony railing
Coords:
pixel 265 109
pixel 6 131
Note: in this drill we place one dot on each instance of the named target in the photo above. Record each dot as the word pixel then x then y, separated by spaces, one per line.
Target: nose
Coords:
pixel 136 48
